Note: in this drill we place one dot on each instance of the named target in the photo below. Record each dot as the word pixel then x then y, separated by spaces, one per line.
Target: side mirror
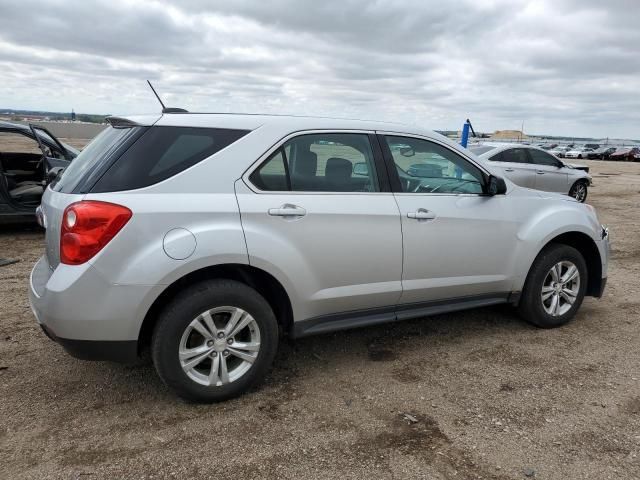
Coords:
pixel 360 168
pixel 560 164
pixel 496 186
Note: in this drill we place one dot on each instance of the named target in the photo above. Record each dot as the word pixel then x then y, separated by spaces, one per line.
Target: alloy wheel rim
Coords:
pixel 560 288
pixel 579 192
pixel 219 346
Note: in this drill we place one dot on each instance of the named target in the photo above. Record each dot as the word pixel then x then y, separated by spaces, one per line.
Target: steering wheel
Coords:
pixel 455 188
pixel 416 186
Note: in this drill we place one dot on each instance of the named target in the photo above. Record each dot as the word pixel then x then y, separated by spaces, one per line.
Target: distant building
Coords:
pixel 73 115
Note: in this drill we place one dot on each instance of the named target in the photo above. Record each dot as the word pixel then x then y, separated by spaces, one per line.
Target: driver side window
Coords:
pixel 427 167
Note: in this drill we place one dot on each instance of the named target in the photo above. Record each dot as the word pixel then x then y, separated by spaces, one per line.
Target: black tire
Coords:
pixel 577 189
pixel 188 305
pixel 531 307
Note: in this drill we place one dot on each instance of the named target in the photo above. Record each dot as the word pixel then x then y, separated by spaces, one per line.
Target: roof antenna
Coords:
pixel 166 109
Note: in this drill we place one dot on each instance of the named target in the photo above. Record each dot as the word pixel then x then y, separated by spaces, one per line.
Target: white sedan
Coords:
pixel 578 153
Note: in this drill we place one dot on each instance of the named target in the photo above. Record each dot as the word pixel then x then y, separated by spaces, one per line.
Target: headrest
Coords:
pixel 338 168
pixel 306 163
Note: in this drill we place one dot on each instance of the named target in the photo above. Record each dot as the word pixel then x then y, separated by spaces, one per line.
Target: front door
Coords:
pixel 330 235
pixel 456 239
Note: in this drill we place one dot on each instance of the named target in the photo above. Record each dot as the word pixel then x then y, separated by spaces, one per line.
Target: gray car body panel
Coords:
pixel 350 252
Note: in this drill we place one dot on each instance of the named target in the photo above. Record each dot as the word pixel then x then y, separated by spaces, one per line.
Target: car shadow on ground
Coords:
pixel 422 340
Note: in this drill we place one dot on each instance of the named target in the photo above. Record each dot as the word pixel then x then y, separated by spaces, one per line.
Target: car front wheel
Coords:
pixel 555 287
pixel 214 341
pixel 579 191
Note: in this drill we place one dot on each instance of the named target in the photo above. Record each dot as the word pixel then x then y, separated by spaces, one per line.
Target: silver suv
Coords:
pixel 205 237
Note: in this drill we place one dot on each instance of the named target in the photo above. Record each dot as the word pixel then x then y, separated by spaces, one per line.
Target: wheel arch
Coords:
pixel 263 282
pixel 584 180
pixel 589 251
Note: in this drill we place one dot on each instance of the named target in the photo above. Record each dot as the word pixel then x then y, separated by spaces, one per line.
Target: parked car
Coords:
pixel 592 146
pixel 205 236
pixel 29 156
pixel 532 167
pixel 548 146
pixel 602 153
pixel 559 151
pixel 626 154
pixel 580 152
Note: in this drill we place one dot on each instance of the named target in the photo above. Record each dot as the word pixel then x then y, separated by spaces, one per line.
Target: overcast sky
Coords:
pixel 564 67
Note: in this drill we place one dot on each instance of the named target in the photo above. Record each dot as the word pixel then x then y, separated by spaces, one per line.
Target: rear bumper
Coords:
pixel 90 317
pixel 112 351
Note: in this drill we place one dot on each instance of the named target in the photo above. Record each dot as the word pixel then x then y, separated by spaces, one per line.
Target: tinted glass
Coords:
pixel 543 158
pixel 328 162
pixel 427 167
pixel 514 155
pixel 105 143
pixel 162 152
pixel 272 175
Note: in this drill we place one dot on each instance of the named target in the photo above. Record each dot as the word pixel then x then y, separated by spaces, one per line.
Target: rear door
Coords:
pixel 514 162
pixel 551 175
pixel 331 236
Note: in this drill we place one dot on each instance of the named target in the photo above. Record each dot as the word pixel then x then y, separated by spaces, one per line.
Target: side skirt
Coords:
pixel 375 316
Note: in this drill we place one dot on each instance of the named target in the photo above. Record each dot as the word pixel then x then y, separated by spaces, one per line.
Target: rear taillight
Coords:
pixel 87 227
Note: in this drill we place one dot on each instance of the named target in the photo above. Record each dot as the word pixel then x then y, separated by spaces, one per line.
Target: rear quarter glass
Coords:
pixel 95 155
pixel 162 152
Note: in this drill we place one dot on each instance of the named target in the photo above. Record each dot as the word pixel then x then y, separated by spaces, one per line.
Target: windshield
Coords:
pixel 93 154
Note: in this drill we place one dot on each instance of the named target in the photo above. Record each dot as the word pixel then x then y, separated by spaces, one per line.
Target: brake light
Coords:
pixel 87 226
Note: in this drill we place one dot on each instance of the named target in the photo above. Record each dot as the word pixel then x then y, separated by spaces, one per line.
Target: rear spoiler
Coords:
pixel 121 122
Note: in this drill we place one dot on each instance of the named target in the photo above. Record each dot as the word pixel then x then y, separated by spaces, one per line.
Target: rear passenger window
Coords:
pixel 162 152
pixel 515 155
pixel 331 162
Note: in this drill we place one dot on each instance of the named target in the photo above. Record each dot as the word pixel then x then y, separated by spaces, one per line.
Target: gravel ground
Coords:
pixel 478 394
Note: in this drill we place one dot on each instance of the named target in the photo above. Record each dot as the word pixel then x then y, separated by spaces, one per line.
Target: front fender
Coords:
pixel 545 225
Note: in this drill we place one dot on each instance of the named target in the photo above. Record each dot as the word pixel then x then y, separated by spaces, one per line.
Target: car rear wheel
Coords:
pixel 555 287
pixel 579 191
pixel 214 341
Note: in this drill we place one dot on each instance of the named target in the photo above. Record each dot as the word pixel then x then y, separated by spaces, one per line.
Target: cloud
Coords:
pixel 563 67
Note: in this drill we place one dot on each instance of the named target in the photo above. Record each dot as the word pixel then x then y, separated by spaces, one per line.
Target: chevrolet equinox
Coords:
pixel 206 237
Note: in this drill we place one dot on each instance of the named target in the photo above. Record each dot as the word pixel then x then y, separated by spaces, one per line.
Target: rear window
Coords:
pixel 93 155
pixel 162 152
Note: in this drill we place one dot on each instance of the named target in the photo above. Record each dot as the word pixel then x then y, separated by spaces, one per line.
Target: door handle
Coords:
pixel 421 214
pixel 539 172
pixel 508 169
pixel 287 210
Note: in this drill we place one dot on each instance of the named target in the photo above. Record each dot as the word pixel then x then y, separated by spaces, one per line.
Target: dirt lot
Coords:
pixel 492 396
